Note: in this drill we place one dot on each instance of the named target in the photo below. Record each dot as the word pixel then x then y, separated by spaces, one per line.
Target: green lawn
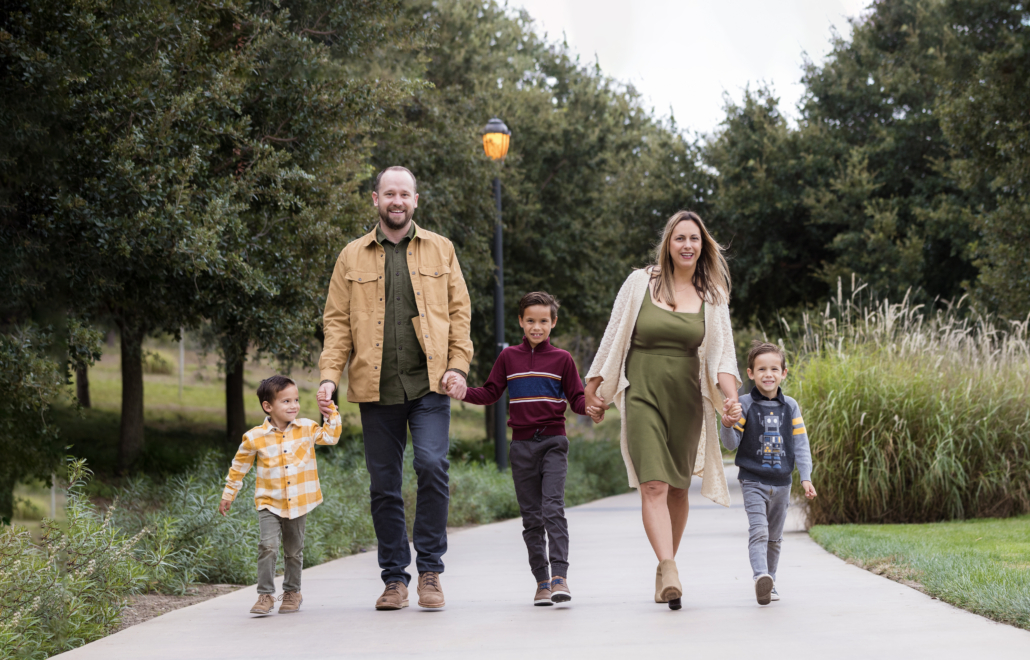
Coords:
pixel 979 565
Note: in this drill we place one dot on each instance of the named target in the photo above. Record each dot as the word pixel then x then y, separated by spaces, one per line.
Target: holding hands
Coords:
pixel 731 412
pixel 454 384
pixel 324 396
pixel 595 407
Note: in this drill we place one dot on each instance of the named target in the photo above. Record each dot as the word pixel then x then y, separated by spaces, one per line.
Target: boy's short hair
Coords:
pixel 763 347
pixel 271 386
pixel 539 298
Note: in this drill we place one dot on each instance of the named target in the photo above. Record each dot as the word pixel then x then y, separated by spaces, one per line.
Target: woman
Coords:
pixel 667 360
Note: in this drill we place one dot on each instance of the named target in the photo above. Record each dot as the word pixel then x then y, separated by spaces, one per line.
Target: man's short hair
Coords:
pixel 539 298
pixel 271 386
pixel 763 347
pixel 395 168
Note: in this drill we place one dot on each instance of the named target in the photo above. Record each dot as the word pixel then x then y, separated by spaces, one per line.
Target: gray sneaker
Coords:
pixel 763 588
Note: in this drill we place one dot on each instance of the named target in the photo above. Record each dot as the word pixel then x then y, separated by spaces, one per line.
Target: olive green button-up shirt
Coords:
pixel 405 372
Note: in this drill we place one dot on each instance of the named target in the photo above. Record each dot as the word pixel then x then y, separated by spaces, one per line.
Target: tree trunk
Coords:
pixel 130 434
pixel 235 415
pixel 82 384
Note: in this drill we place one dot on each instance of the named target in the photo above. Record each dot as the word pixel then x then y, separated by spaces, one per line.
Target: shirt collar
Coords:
pixel 380 236
pixel 268 427
pixel 758 396
pixel 542 346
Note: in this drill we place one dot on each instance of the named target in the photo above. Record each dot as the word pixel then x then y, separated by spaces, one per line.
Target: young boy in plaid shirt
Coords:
pixel 286 488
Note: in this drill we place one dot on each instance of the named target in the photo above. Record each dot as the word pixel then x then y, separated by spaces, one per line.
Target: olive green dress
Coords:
pixel 663 402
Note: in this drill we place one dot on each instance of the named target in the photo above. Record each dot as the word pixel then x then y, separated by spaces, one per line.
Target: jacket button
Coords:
pixel 436 273
pixel 412 272
pixel 359 279
pixel 423 315
pixel 380 323
pixel 430 357
pixel 377 344
pixel 418 293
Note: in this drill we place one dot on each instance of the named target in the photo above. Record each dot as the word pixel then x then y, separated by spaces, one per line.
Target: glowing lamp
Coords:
pixel 495 139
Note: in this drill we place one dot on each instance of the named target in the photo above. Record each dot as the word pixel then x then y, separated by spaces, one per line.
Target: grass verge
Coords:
pixel 979 565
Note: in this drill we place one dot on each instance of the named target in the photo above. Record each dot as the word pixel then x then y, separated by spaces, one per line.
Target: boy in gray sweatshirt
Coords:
pixel 769 435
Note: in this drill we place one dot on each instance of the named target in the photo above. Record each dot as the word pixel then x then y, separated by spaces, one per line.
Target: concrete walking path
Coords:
pixel 829 609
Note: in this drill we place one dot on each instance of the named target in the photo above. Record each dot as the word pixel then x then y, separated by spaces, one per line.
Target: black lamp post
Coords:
pixel 496 137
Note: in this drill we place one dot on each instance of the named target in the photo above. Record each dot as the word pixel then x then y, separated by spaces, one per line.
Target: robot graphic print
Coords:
pixel 772 441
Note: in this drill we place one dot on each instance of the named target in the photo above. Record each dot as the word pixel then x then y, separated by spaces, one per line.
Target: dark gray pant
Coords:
pixel 538 467
pixel 270 527
pixel 385 430
pixel 766 508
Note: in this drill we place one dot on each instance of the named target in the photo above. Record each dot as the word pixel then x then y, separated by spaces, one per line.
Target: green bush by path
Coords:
pixel 982 565
pixel 914 415
pixel 68 590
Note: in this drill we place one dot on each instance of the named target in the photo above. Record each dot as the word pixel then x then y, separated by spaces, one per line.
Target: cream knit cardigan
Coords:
pixel 717 355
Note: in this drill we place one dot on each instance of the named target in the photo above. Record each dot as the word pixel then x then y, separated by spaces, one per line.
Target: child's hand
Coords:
pixel 729 420
pixel 596 414
pixel 809 489
pixel 224 505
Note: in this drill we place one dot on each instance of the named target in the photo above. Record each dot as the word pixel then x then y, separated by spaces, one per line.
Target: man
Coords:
pixel 397 315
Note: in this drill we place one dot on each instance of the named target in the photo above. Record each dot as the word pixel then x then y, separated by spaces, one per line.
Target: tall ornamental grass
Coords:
pixel 914 414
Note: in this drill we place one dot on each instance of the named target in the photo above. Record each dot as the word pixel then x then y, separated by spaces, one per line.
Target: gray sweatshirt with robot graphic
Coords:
pixel 770 439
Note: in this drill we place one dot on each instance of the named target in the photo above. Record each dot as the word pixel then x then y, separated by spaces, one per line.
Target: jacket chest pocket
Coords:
pixel 435 280
pixel 363 288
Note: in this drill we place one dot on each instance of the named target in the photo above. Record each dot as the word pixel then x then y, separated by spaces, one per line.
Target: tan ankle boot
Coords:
pixel 672 590
pixel 658 586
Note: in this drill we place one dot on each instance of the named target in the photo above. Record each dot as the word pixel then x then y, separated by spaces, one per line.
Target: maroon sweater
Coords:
pixel 540 381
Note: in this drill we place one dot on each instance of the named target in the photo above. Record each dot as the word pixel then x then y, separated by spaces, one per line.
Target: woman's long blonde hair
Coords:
pixel 711 276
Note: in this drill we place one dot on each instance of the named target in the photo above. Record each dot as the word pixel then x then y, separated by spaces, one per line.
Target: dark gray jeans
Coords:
pixel 270 526
pixel 538 467
pixel 385 430
pixel 766 508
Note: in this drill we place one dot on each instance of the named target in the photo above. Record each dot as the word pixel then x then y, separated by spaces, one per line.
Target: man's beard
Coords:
pixel 384 215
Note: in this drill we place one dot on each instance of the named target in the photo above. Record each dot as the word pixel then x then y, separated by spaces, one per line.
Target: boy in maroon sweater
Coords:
pixel 541 381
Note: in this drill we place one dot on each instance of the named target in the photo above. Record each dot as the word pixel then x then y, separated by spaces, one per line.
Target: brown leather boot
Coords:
pixel 264 604
pixel 543 593
pixel 672 590
pixel 430 593
pixel 560 590
pixel 395 596
pixel 291 602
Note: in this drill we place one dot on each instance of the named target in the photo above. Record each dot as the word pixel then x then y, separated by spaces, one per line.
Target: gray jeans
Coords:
pixel 292 531
pixel 766 508
pixel 538 467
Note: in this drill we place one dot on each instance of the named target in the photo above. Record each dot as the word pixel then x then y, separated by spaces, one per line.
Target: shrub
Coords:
pixel 69 590
pixel 155 363
pixel 914 415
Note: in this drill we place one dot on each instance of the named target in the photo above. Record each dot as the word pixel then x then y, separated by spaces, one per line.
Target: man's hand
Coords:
pixel 809 489
pixel 325 398
pixel 454 384
pixel 224 505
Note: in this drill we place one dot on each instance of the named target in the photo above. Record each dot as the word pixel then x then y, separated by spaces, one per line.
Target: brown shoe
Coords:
pixel 543 593
pixel 672 590
pixel 394 597
pixel 430 593
pixel 291 602
pixel 560 590
pixel 264 604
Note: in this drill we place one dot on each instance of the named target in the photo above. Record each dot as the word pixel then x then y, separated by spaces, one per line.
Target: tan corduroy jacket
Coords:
pixel 354 311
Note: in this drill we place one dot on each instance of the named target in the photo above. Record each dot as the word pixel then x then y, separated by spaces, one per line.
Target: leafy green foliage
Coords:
pixel 29 382
pixel 914 415
pixel 69 590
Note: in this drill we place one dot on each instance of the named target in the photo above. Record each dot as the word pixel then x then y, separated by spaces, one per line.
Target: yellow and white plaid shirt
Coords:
pixel 287 475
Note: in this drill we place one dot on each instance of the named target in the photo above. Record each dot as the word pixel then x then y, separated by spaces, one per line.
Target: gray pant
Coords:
pixel 538 467
pixel 766 508
pixel 292 530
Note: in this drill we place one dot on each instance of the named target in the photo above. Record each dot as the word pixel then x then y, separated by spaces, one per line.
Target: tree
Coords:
pixel 983 115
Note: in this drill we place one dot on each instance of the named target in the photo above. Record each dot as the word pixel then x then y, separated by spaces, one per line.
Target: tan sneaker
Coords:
pixel 394 597
pixel 543 593
pixel 291 602
pixel 264 604
pixel 560 590
pixel 430 593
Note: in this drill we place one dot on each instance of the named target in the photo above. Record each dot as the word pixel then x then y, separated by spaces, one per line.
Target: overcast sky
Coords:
pixel 682 55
